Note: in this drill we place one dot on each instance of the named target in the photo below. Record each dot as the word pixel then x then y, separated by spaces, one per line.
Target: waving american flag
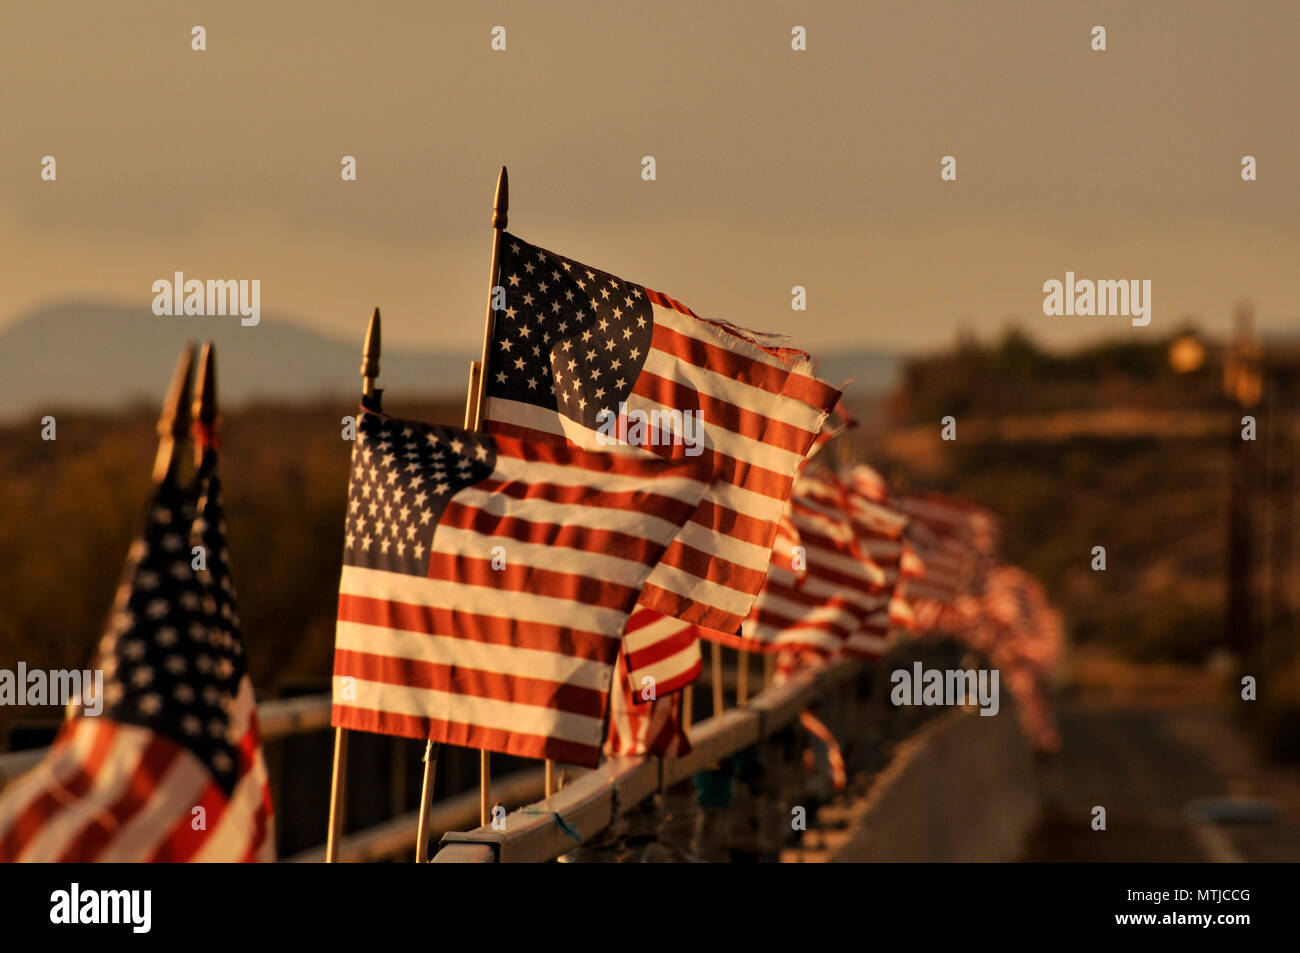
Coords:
pixel 172 768
pixel 954 542
pixel 880 530
pixel 582 356
pixel 640 724
pixel 840 587
pixel 487 581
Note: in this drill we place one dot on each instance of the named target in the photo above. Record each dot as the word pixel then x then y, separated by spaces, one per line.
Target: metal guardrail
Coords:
pixel 279 719
pixel 543 831
pixel 534 832
pixel 18 762
pixel 294 716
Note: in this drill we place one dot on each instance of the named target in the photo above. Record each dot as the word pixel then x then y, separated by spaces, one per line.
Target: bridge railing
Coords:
pixel 537 830
pixel 587 805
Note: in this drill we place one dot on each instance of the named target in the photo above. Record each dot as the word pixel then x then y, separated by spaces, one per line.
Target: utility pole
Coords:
pixel 1243 384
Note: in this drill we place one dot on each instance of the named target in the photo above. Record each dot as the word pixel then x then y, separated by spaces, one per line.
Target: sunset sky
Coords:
pixel 775 168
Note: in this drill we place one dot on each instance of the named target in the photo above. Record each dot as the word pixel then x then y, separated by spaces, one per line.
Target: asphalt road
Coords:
pixel 1151 767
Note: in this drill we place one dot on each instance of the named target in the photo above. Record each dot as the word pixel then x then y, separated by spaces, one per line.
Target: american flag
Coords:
pixel 842 588
pixel 487 581
pixel 955 541
pixel 172 769
pixel 662 649
pixel 787 544
pixel 838 423
pixel 667 650
pixel 639 725
pixel 902 614
pixel 1007 617
pixel 834 756
pixel 867 484
pixel 880 535
pixel 1027 646
pixel 1031 628
pixel 575 350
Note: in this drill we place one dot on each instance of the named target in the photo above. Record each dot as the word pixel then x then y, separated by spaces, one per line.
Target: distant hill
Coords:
pixel 92 355
pixel 100 356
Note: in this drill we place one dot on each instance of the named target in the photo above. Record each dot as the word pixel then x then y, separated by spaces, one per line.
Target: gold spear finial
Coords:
pixel 370 356
pixel 174 421
pixel 501 205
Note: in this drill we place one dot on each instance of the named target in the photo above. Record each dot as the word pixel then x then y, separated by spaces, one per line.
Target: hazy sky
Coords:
pixel 775 168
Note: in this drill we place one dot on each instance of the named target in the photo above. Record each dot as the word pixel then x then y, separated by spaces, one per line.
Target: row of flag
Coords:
pixel 497 607
pixel 540 587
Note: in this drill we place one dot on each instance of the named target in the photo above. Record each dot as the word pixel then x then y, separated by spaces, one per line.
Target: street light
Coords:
pixel 1187 353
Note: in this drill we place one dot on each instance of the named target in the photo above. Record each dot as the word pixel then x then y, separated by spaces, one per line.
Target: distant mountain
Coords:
pixel 98 356
pixel 867 373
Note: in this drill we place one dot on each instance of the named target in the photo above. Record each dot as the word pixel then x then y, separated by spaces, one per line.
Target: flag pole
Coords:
pixel 742 676
pixel 475 410
pixel 717 678
pixel 174 421
pixel 473 420
pixel 338 783
pixel 431 750
pixel 500 207
pixel 432 747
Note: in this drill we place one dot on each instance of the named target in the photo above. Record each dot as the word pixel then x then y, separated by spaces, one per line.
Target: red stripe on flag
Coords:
pixel 57 794
pixel 488 629
pixel 465 681
pixel 468 571
pixel 159 755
